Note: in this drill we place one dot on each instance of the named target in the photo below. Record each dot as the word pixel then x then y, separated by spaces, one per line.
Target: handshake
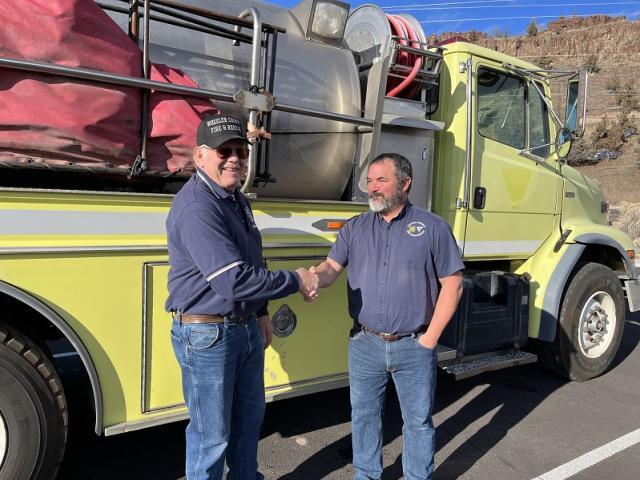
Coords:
pixel 309 283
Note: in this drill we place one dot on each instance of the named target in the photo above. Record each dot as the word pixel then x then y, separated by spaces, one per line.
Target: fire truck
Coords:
pixel 99 106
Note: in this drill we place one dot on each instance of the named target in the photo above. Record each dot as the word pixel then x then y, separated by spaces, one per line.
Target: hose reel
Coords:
pixel 413 62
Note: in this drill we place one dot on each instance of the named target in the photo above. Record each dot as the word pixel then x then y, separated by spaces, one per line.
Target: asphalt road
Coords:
pixel 513 424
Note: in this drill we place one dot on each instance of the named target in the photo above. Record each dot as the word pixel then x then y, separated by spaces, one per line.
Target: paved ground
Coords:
pixel 513 424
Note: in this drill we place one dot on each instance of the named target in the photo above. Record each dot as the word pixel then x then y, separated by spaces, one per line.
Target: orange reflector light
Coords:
pixel 631 254
pixel 334 225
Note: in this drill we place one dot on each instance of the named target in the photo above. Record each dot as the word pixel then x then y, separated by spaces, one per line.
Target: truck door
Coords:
pixel 513 197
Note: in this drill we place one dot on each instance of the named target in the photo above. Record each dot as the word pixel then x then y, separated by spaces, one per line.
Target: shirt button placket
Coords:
pixel 384 282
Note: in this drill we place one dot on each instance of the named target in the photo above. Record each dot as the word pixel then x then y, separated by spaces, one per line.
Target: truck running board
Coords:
pixel 486 364
pixel 445 353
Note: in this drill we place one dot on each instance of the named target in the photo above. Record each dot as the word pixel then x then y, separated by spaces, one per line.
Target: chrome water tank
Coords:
pixel 309 157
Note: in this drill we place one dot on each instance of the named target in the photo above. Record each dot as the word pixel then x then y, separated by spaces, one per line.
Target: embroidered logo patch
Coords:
pixel 415 229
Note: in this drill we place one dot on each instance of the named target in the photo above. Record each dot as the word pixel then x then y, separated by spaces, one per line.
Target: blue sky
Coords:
pixel 489 16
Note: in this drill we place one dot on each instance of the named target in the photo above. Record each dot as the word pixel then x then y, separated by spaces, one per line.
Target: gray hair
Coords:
pixel 401 166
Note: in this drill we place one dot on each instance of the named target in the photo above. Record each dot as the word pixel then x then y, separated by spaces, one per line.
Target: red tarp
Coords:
pixel 60 120
pixel 174 121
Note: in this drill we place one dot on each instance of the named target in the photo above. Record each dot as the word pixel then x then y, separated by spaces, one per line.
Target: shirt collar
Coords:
pixel 216 189
pixel 400 215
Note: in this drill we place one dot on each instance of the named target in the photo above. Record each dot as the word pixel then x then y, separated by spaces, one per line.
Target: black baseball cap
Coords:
pixel 215 130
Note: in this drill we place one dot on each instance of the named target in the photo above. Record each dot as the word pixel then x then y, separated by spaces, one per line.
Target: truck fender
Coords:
pixel 554 291
pixel 48 313
pixel 561 273
pixel 600 239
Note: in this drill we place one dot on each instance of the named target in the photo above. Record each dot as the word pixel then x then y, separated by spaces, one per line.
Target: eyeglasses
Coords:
pixel 225 152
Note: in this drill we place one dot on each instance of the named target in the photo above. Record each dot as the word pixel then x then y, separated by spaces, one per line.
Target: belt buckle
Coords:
pixel 386 336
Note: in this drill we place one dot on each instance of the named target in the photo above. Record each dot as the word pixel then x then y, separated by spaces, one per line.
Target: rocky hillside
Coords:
pixel 609 47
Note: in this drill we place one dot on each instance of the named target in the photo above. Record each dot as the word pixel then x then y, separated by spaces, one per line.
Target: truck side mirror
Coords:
pixel 563 142
pixel 576 104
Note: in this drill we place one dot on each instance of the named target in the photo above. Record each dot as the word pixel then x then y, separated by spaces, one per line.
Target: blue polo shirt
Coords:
pixel 215 254
pixel 394 267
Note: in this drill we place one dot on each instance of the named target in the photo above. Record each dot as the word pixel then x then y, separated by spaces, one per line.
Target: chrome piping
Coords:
pixel 126 81
pixel 464 203
pixel 547 103
pixel 526 74
pixel 111 78
pixel 584 107
pixel 146 73
pixel 312 112
pixel 254 80
pixel 84 192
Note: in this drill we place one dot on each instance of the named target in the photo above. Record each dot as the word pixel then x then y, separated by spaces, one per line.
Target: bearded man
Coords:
pixel 404 284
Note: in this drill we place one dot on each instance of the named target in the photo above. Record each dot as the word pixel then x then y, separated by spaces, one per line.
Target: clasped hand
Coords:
pixel 309 283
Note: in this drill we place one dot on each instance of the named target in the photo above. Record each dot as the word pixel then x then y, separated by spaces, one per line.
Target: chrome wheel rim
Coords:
pixel 597 324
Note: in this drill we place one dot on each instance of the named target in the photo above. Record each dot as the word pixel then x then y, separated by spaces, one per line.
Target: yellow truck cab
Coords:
pixel 83 256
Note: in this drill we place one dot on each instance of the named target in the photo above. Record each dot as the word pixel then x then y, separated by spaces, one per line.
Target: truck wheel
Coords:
pixel 33 411
pixel 591 322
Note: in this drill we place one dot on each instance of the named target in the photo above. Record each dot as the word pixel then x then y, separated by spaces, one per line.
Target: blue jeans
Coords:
pixel 413 370
pixel 223 383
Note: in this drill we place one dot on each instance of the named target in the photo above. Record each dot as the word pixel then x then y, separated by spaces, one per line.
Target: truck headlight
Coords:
pixel 328 19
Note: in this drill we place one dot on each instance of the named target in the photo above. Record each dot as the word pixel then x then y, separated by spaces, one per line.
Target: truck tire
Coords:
pixel 33 411
pixel 590 326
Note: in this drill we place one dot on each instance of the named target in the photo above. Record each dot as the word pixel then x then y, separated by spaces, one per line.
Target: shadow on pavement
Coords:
pixel 158 453
pixel 511 393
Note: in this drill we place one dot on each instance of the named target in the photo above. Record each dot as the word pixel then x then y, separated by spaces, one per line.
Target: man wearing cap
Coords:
pixel 404 284
pixel 218 292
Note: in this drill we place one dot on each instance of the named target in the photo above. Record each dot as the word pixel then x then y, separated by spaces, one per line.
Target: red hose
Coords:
pixel 403 29
pixel 413 35
pixel 402 58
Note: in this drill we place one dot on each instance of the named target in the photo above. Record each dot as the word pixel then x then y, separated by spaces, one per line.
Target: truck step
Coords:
pixel 486 364
pixel 445 353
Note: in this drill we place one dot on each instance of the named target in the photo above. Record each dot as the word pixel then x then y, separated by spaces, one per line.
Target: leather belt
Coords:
pixel 391 337
pixel 202 318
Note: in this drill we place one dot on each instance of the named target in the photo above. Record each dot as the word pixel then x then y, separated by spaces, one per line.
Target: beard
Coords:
pixel 378 203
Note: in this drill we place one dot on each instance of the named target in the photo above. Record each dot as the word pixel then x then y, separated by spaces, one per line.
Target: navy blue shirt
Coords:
pixel 394 267
pixel 215 254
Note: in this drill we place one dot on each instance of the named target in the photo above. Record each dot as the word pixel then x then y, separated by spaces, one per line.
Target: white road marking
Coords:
pixel 591 458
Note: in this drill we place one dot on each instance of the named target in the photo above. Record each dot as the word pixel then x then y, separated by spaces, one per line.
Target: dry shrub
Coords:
pixel 628 220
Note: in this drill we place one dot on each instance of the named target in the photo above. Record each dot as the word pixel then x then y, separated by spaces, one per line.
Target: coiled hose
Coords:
pixel 406 87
